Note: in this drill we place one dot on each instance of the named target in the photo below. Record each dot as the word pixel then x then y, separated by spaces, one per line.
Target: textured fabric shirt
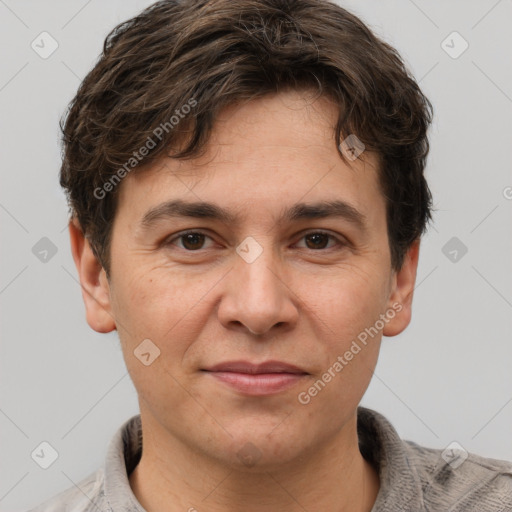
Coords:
pixel 412 478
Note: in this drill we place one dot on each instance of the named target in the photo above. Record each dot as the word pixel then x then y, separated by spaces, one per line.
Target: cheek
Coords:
pixel 154 299
pixel 334 394
pixel 164 307
pixel 350 344
pixel 350 303
pixel 152 306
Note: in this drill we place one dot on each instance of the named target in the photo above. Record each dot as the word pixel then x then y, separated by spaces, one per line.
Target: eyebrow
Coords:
pixel 299 211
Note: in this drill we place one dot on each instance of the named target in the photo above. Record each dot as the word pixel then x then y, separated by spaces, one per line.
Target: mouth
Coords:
pixel 261 379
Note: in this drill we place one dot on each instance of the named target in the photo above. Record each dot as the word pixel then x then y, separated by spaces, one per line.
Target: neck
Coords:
pixel 333 476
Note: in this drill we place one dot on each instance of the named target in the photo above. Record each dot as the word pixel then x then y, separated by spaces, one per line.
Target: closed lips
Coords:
pixel 255 369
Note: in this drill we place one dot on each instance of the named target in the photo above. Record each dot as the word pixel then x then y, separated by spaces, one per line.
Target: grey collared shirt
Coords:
pixel 412 478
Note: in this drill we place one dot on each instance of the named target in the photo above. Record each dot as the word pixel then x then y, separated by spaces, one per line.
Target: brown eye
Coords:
pixel 318 240
pixel 191 241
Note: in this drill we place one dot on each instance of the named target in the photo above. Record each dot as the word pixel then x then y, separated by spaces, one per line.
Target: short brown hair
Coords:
pixel 208 54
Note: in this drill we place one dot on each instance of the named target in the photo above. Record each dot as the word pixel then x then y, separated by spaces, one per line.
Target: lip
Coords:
pixel 267 378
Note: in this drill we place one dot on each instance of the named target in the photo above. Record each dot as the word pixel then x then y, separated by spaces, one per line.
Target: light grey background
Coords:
pixel 448 377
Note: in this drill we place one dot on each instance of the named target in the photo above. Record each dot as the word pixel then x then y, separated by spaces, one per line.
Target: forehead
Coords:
pixel 262 153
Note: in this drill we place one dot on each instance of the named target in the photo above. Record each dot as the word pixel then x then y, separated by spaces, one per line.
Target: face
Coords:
pixel 256 306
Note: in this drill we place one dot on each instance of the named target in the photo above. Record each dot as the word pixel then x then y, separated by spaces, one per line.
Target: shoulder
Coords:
pixel 417 478
pixel 456 480
pixel 86 496
pixel 110 483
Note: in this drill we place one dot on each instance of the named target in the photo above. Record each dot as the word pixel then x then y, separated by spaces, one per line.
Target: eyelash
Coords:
pixel 340 243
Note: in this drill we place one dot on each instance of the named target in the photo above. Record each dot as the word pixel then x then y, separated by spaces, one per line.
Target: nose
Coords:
pixel 257 296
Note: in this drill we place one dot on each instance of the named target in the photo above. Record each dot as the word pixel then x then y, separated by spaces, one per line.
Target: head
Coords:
pixel 303 247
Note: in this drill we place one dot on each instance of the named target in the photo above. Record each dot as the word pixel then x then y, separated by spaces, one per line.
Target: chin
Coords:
pixel 261 445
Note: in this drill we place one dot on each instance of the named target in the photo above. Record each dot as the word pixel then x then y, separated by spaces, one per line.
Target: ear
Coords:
pixel 93 279
pixel 402 288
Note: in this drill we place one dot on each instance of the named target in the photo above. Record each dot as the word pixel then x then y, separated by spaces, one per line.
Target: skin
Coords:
pixel 295 303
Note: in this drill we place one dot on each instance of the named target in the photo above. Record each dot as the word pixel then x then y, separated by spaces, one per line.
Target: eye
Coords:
pixel 191 240
pixel 317 240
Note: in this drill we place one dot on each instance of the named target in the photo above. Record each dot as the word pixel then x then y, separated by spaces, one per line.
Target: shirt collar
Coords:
pixel 379 443
pixel 123 455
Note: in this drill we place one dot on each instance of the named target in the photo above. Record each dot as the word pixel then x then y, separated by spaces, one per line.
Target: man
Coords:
pixel 247 195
